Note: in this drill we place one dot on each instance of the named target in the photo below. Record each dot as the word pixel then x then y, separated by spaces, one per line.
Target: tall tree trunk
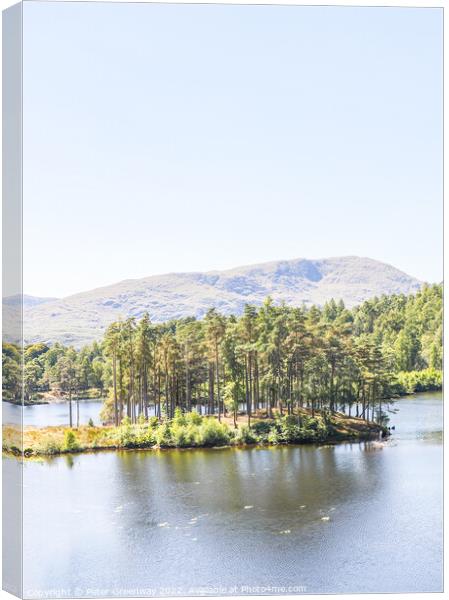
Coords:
pixel 211 390
pixel 217 372
pixel 250 375
pixel 114 381
pixel 167 394
pixel 70 408
pixel 256 382
pixel 159 412
pixel 247 393
pixel 188 390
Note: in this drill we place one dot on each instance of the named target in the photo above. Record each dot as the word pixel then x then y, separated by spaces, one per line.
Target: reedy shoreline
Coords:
pixel 189 432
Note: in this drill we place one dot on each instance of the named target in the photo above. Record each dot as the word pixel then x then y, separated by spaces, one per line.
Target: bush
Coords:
pixel 179 418
pixel 426 380
pixel 90 423
pixel 309 429
pixel 136 436
pixel 144 436
pixel 153 422
pixel 162 435
pixel 194 418
pixel 70 441
pixel 274 437
pixel 262 427
pixel 183 436
pixel 127 435
pixel 213 433
pixel 311 423
pixel 289 430
pixel 245 435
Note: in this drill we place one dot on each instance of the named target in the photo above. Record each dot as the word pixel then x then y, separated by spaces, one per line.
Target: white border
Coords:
pixel 385 3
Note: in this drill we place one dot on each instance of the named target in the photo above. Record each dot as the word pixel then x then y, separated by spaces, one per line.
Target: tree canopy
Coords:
pixel 271 357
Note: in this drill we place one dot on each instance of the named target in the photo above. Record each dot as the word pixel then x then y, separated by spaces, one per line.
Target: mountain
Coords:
pixel 81 318
pixel 28 300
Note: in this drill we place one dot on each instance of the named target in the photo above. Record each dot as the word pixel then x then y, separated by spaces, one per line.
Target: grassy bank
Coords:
pixel 189 431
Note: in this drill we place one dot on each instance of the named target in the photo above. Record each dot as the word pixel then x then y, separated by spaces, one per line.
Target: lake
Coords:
pixel 55 413
pixel 355 517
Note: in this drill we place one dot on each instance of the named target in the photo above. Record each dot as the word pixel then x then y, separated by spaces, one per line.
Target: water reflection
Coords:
pixel 329 518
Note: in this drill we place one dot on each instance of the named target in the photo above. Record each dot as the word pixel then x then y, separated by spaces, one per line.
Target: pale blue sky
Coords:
pixel 164 138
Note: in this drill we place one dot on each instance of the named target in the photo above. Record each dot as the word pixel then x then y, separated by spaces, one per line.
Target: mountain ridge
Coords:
pixel 82 317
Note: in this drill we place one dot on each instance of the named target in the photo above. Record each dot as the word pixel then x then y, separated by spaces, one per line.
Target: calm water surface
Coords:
pixel 56 413
pixel 348 518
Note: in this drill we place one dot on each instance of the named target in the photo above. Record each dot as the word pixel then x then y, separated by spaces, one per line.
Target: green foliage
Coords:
pixel 246 435
pixel 291 430
pixel 141 435
pixel 233 394
pixel 277 356
pixel 91 423
pixel 208 433
pixel 179 418
pixel 144 436
pixel 70 441
pixel 194 418
pixel 418 381
pixel 274 437
pixel 183 435
pixel 261 428
pixel 51 447
pixel 35 350
pixel 163 435
pixel 213 433
pixel 410 327
pixel 141 419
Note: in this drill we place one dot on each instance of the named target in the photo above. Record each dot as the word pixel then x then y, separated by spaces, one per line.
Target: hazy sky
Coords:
pixel 179 138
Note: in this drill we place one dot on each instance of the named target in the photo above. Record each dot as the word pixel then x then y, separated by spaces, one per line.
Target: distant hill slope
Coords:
pixel 27 300
pixel 81 318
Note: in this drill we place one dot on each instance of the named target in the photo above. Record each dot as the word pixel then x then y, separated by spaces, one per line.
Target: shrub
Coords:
pixel 184 436
pixel 262 427
pixel 409 382
pixel 245 435
pixel 127 435
pixel 274 437
pixel 153 422
pixel 70 441
pixel 179 418
pixel 194 418
pixel 90 423
pixel 162 435
pixel 144 436
pixel 311 423
pixel 213 433
pixel 290 432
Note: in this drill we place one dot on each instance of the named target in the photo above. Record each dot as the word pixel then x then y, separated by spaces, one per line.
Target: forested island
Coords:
pixel 274 374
